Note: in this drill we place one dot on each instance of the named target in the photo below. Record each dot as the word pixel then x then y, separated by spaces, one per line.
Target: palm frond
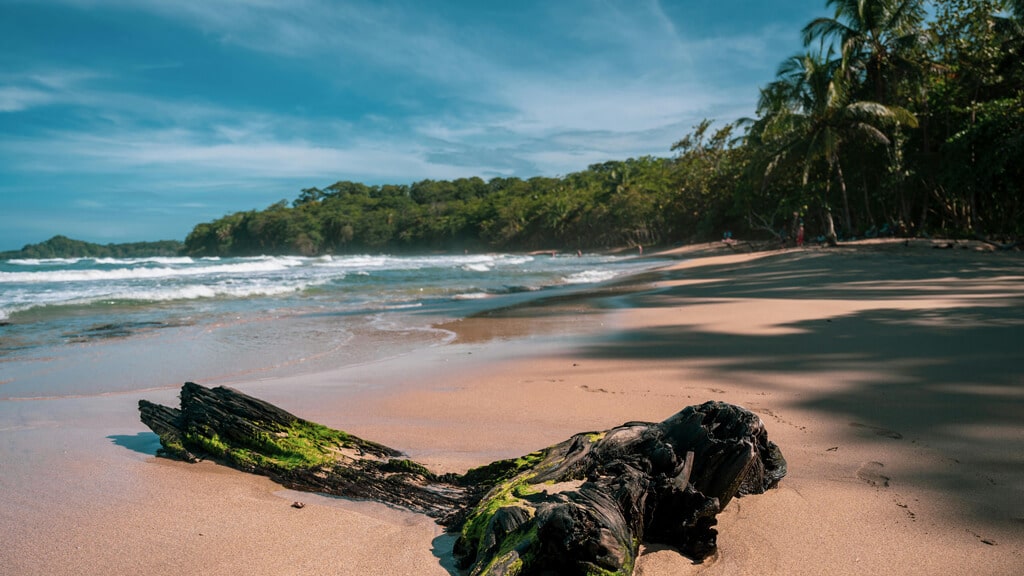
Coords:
pixel 824 29
pixel 905 15
pixel 875 113
pixel 870 133
pixel 864 111
pixel 903 116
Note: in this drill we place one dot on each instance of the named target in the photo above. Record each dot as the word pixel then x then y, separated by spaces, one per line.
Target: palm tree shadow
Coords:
pixel 928 376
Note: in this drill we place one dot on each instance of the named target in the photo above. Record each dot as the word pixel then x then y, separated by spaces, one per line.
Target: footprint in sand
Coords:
pixel 878 431
pixel 871 472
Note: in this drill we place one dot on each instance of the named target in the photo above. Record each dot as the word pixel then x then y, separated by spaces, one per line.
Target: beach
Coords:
pixel 888 373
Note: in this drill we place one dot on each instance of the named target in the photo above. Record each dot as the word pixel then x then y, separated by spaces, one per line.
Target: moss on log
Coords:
pixel 580 507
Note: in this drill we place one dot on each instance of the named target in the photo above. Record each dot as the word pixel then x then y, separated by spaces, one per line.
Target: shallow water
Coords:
pixel 85 327
pixel 81 341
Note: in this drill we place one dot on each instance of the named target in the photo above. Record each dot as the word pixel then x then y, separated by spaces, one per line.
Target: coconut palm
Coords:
pixel 811 113
pixel 878 40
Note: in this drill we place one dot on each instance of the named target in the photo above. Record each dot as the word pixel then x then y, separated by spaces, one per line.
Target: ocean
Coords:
pixel 84 327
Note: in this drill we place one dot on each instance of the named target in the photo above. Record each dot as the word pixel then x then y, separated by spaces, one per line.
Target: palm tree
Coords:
pixel 878 40
pixel 811 111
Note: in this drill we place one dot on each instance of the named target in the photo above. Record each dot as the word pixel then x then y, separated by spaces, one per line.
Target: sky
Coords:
pixel 134 120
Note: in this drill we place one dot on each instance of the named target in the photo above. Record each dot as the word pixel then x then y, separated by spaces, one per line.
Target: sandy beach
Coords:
pixel 889 374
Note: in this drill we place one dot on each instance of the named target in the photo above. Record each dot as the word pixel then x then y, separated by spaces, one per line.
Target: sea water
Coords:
pixel 84 327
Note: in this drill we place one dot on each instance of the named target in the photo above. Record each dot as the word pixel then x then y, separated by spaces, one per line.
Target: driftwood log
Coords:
pixel 582 506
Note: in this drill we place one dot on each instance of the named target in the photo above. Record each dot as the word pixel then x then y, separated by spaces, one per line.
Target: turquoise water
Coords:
pixel 86 327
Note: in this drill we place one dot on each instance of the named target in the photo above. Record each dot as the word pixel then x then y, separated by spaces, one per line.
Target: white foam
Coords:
pixel 198 291
pixel 167 260
pixel 471 296
pixel 402 306
pixel 43 261
pixel 590 277
pixel 94 275
pixel 514 260
pixel 354 262
pixel 468 262
pixel 161 294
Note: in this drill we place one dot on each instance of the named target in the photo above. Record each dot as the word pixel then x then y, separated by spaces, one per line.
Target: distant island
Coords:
pixel 64 247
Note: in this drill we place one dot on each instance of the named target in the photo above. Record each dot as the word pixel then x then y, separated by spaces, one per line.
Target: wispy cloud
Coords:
pixel 18 98
pixel 228 153
pixel 505 117
pixel 637 71
pixel 42 87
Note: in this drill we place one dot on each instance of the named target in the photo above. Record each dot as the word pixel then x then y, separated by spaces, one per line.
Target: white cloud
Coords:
pixel 635 94
pixel 19 92
pixel 190 156
pixel 552 107
pixel 17 98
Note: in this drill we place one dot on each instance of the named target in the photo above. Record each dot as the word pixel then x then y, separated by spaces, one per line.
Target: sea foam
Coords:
pixel 590 277
pixel 143 273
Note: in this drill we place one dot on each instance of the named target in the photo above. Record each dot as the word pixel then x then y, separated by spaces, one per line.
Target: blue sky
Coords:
pixel 128 120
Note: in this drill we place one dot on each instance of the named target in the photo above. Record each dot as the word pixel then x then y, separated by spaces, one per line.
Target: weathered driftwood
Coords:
pixel 579 507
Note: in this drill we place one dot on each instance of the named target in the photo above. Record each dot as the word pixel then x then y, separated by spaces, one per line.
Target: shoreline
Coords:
pixel 888 375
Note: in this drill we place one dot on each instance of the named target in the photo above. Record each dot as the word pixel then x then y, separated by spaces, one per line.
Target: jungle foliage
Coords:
pixel 887 122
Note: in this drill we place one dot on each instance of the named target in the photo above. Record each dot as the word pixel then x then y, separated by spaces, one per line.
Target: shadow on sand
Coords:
pixel 949 378
pixel 442 550
pixel 143 442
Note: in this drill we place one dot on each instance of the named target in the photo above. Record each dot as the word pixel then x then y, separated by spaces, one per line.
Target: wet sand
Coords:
pixel 889 375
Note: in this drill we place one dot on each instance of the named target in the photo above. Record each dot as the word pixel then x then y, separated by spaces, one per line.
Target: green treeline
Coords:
pixel 612 204
pixel 64 247
pixel 887 122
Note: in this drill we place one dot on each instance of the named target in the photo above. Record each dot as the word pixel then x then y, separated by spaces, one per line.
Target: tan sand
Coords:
pixel 889 375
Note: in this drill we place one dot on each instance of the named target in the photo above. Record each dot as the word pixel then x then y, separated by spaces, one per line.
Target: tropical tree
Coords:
pixel 813 115
pixel 706 174
pixel 977 96
pixel 880 42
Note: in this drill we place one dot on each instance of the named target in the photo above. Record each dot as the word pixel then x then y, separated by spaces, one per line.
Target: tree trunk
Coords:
pixel 830 228
pixel 847 221
pixel 579 507
pixel 925 208
pixel 867 202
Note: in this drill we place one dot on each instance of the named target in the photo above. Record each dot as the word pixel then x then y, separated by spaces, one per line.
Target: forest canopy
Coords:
pixel 887 121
